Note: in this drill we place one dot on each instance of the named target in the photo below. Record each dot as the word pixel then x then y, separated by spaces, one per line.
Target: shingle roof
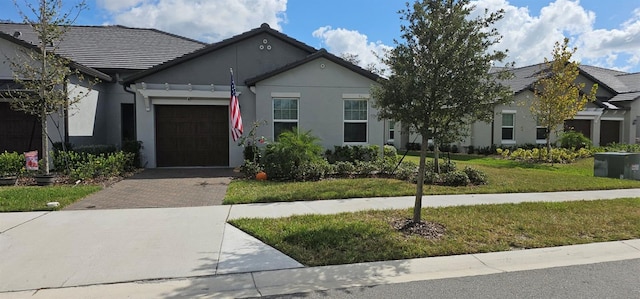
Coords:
pixel 73 64
pixel 617 82
pixel 114 47
pixel 320 53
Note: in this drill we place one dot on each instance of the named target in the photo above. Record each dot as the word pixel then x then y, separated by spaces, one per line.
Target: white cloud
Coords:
pixel 206 20
pixel 339 41
pixel 530 38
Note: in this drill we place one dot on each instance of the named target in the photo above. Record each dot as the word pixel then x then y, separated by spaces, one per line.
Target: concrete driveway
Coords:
pixel 162 188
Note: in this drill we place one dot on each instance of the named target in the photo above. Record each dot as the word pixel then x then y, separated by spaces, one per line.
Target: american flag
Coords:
pixel 234 112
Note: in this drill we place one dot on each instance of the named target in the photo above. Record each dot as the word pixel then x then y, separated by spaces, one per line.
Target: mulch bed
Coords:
pixel 426 229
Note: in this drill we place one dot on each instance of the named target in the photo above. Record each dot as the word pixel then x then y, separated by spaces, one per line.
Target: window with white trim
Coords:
pixel 392 130
pixel 355 120
pixel 508 127
pixel 541 133
pixel 285 115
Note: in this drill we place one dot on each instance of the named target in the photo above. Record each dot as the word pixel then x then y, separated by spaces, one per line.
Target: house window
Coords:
pixel 541 133
pixel 392 130
pixel 355 120
pixel 285 115
pixel 508 125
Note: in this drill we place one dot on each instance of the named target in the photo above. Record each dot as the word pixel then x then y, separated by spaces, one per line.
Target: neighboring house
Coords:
pixel 106 52
pixel 613 117
pixel 173 93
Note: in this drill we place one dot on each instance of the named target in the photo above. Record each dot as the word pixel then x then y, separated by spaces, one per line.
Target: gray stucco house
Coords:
pixel 172 93
pixel 613 117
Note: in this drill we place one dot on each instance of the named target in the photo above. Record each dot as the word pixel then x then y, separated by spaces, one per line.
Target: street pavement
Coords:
pixel 192 251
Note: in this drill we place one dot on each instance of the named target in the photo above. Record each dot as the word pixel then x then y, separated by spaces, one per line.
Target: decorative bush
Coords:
pixel 445 166
pixel 574 140
pixel 476 176
pixel 83 166
pixel 407 171
pixel 430 178
pixel 95 149
pixel 536 155
pixel 11 163
pixel 134 147
pixel 389 151
pixel 344 168
pixel 312 170
pixel 249 169
pixel 293 149
pixel 619 147
pixel 455 178
pixel 352 153
pixel 366 167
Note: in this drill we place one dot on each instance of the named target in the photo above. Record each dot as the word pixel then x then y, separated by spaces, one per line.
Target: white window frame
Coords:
pixel 357 121
pixel 283 120
pixel 540 141
pixel 512 127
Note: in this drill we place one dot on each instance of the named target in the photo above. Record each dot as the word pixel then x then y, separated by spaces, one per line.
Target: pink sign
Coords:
pixel 31 159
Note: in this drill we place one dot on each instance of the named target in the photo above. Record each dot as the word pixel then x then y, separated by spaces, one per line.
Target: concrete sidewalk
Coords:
pixel 189 252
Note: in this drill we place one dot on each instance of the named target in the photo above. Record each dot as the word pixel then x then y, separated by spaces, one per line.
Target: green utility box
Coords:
pixel 617 165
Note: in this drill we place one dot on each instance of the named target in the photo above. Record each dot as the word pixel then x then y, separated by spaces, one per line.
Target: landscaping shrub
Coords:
pixel 249 169
pixel 619 147
pixel 445 166
pixel 537 155
pixel 293 149
pixel 430 178
pixel 574 140
pixel 352 153
pixel 11 163
pixel 344 168
pixel 366 167
pixel 476 176
pixel 312 170
pixel 95 149
pixel 83 166
pixel 487 150
pixel 389 151
pixel 455 178
pixel 134 147
pixel 407 171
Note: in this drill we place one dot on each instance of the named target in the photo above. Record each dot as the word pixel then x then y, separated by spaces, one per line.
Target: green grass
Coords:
pixel 505 176
pixel 345 238
pixel 23 199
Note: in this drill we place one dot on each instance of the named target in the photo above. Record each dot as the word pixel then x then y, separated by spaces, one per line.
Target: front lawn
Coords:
pixel 505 176
pixel 32 198
pixel 316 240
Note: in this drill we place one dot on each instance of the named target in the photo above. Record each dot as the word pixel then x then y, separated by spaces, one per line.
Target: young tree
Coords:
pixel 558 96
pixel 44 77
pixel 440 78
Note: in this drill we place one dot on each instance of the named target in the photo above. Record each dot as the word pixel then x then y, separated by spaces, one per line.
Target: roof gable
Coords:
pixel 322 53
pixel 264 28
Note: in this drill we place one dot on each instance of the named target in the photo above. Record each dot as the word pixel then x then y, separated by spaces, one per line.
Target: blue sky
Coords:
pixel 607 33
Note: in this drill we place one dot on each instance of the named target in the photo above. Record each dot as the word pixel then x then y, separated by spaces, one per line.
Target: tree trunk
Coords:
pixel 548 145
pixel 436 157
pixel 417 207
pixel 45 142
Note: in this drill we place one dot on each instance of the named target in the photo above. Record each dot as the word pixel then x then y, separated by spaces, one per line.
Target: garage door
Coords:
pixel 19 132
pixel 192 136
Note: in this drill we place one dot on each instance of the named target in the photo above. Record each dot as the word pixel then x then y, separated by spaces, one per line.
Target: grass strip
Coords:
pixel 33 198
pixel 505 176
pixel 317 240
